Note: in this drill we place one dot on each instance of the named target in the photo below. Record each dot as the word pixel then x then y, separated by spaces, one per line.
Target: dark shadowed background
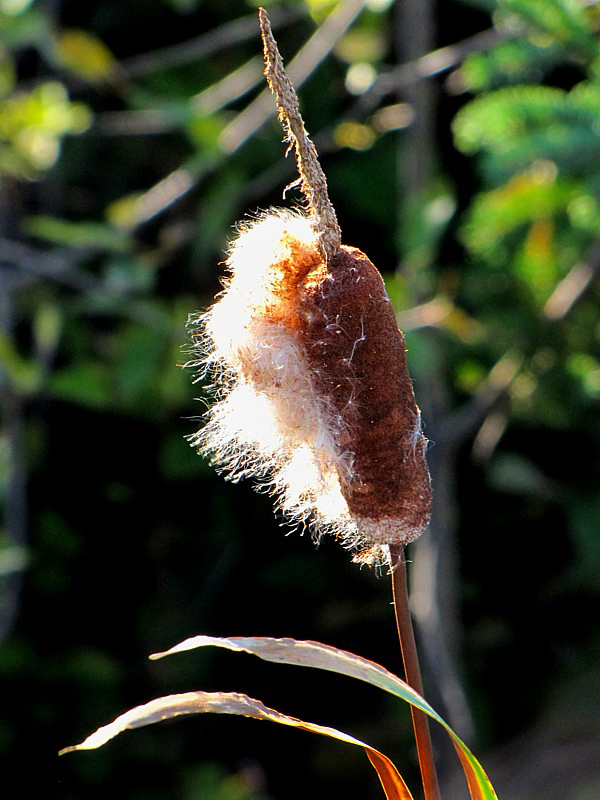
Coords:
pixel 462 146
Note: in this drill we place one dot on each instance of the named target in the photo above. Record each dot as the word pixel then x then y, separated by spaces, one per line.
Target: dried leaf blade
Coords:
pixel 232 703
pixel 332 659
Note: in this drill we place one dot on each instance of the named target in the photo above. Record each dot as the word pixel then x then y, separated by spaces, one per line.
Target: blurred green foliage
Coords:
pixel 118 192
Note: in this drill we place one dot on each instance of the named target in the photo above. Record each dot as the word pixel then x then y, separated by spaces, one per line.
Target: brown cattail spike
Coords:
pixel 314 395
pixel 357 357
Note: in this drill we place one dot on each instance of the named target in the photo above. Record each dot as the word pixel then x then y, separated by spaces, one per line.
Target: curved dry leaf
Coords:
pixel 231 703
pixel 322 656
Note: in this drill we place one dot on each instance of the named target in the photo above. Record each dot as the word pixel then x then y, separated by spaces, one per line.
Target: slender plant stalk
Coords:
pixel 412 671
pixel 313 185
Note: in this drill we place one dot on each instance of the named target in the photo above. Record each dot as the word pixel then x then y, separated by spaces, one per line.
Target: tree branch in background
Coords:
pixel 227 36
pixel 574 286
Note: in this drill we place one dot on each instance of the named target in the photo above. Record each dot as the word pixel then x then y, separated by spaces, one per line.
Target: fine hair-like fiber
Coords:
pixel 312 395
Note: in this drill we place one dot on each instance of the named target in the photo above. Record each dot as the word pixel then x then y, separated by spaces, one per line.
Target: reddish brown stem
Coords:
pixel 412 672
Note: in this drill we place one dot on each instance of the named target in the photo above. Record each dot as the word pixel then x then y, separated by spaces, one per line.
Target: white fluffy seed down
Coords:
pixel 268 421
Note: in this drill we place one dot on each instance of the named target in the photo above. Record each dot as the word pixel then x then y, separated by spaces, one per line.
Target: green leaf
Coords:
pixel 84 384
pixel 23 24
pixel 510 62
pixel 24 376
pixel 32 125
pixel 78 234
pixel 518 126
pixel 7 73
pixel 204 131
pixel 562 20
pixel 84 55
pixel 126 211
pixel 534 196
pixel 516 474
pixel 585 369
pixel 231 703
pixel 331 659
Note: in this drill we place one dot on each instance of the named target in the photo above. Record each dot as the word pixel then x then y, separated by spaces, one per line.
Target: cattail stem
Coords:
pixel 412 671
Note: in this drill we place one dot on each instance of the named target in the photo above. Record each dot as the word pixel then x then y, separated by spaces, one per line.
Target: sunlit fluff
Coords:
pixel 268 421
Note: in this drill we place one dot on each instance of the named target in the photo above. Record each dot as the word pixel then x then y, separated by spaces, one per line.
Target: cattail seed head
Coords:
pixel 312 392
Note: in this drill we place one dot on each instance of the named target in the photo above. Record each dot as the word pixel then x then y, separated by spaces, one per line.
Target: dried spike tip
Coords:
pixel 312 178
pixel 313 393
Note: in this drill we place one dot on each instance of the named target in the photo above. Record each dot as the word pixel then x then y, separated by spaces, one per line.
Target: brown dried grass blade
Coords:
pixel 332 659
pixel 231 703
